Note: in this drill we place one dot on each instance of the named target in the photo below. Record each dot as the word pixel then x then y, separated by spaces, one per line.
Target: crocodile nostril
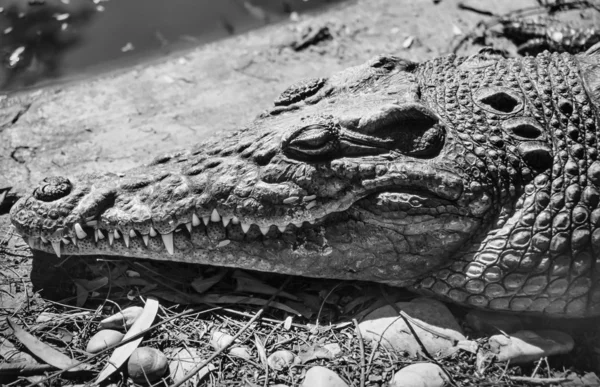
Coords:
pixel 52 188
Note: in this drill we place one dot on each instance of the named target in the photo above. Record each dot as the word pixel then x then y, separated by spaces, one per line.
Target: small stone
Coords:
pixel 420 375
pixel 282 359
pixel 146 364
pixel 322 377
pixel 528 346
pixel 493 323
pixel 386 326
pixel 103 339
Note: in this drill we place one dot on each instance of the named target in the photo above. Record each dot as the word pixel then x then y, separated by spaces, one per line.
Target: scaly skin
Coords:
pixel 473 179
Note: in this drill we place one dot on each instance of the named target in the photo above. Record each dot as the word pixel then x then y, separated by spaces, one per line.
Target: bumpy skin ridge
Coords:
pixel 472 179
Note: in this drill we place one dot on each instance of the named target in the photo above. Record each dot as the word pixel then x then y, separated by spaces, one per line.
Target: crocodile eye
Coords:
pixel 498 100
pixel 314 142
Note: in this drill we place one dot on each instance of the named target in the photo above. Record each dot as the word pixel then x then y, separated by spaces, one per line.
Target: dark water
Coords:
pixel 44 40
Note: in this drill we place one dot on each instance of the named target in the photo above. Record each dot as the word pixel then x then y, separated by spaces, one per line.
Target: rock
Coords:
pixel 183 361
pixel 528 346
pixel 122 320
pixel 282 359
pixel 386 325
pixel 322 377
pixel 420 375
pixel 146 363
pixel 493 323
pixel 103 339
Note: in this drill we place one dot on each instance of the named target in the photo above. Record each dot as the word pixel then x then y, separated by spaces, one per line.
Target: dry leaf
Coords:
pixel 203 284
pixel 184 360
pixel 287 325
pixel 122 353
pixel 248 284
pixel 313 352
pixel 122 320
pixel 82 295
pixel 260 347
pixel 44 351
pixel 187 299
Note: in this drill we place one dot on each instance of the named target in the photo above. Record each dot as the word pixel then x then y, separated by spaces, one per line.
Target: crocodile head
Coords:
pixel 409 174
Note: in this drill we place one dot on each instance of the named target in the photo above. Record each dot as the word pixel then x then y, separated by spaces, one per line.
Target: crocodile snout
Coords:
pixel 52 188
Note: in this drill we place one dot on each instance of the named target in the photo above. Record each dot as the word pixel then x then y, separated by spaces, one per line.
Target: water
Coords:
pixel 43 40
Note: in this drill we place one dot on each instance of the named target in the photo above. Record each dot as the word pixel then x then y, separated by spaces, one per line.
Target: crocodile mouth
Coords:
pixel 216 231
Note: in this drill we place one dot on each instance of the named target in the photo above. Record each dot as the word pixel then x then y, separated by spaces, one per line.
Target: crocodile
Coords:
pixel 472 179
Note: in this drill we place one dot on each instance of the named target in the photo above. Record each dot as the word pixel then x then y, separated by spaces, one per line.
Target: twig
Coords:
pixel 468 7
pixel 538 381
pixel 197 369
pixel 362 353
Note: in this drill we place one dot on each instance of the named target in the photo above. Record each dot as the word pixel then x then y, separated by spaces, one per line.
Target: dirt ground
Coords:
pixel 116 121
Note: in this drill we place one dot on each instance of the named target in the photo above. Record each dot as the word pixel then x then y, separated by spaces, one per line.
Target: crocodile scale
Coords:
pixel 473 179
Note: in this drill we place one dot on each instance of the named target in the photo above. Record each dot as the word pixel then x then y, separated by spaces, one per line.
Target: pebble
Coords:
pixel 103 339
pixel 527 346
pixel 433 315
pixel 322 377
pixel 420 375
pixel 146 363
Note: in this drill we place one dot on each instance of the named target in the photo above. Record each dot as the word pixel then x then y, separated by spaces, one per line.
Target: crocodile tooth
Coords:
pixel 195 220
pixel 168 241
pixel 117 235
pixel 132 233
pixel 74 240
pixel 309 198
pixel 56 247
pixel 235 220
pixel 298 224
pixel 146 239
pixel 79 231
pixel 226 220
pixel 65 240
pixel 245 227
pixel 44 239
pixel 100 235
pixel 126 239
pixel 281 229
pixel 310 205
pixel 205 219
pixel 189 227
pixel 264 230
pixel 111 238
pixel 91 223
pixel 152 232
pixel 214 216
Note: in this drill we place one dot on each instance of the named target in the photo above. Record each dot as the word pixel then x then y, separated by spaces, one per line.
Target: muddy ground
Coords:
pixel 116 121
